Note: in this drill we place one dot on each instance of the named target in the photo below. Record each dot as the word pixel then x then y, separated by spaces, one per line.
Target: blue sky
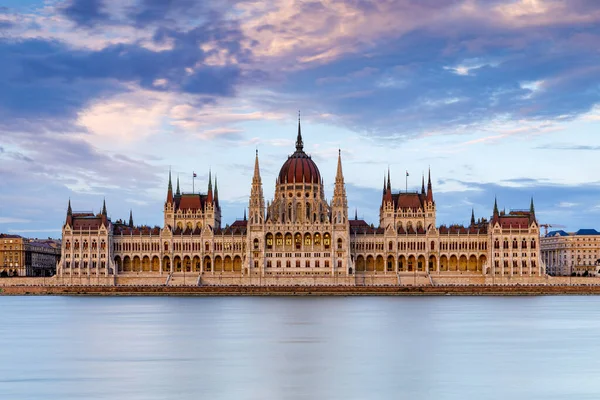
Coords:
pixel 98 98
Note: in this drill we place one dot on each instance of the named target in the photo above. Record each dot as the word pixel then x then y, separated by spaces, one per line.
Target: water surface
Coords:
pixel 299 348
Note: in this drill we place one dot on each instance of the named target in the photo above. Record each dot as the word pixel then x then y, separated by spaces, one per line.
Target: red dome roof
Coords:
pixel 299 167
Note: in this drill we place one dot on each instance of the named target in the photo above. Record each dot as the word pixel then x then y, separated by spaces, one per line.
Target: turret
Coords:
pixel 130 219
pixel 472 217
pixel 257 201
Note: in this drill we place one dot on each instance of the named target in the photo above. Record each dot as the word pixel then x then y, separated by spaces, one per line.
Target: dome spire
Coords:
pixel 299 142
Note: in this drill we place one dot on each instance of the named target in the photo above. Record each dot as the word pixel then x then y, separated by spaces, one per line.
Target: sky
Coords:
pixel 100 98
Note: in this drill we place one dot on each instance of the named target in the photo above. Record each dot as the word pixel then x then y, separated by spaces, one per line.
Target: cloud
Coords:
pixel 9 220
pixel 568 147
pixel 85 12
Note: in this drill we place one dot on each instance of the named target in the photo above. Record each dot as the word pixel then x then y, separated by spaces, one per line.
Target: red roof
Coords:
pixel 517 222
pixel 299 168
pixel 409 200
pixel 84 223
pixel 190 202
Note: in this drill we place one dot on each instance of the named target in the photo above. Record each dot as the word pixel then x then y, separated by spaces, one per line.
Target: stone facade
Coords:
pixel 41 257
pixel 12 255
pixel 567 253
pixel 301 238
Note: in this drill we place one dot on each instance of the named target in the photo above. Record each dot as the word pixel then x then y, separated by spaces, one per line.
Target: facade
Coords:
pixel 41 257
pixel 12 255
pixel 572 253
pixel 300 235
pixel 28 257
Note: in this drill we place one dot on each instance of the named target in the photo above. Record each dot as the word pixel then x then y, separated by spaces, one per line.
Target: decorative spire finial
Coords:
pixel 299 142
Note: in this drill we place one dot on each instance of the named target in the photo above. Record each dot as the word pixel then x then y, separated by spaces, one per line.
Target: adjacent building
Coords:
pixel 41 257
pixel 12 255
pixel 28 257
pixel 572 253
pixel 299 234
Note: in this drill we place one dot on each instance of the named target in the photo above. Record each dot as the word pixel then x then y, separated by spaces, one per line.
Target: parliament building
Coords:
pixel 299 237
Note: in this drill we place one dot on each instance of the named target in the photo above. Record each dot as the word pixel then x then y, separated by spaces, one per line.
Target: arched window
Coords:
pixel 326 240
pixel 255 244
pixel 339 243
pixel 432 245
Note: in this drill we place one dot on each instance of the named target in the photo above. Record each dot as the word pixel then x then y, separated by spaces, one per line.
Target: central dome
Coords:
pixel 299 167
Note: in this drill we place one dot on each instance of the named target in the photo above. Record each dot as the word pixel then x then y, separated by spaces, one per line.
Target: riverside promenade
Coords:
pixel 458 290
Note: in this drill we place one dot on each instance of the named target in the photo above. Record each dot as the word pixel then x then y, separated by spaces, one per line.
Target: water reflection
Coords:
pixel 299 348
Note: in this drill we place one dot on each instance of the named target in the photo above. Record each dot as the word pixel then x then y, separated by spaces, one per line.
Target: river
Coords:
pixel 299 348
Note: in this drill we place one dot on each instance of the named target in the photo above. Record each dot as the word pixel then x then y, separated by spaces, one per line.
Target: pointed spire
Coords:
pixel 130 218
pixel 244 214
pixel 69 210
pixel 299 142
pixel 104 207
pixel 423 185
pixel 178 193
pixel 496 213
pixel 389 182
pixel 429 188
pixel 472 216
pixel 209 195
pixel 216 192
pixel 356 214
pixel 384 187
pixel 256 177
pixel 339 176
pixel 532 207
pixel 170 189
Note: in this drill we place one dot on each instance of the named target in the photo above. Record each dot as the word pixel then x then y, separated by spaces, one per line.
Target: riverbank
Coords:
pixel 484 290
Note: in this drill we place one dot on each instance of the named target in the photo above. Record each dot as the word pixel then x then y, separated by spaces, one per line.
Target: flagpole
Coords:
pixel 406 181
pixel 193 177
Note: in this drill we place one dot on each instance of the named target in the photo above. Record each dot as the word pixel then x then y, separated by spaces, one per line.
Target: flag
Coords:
pixel 194 175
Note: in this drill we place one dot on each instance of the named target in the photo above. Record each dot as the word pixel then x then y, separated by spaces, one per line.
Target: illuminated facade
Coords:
pixel 299 234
